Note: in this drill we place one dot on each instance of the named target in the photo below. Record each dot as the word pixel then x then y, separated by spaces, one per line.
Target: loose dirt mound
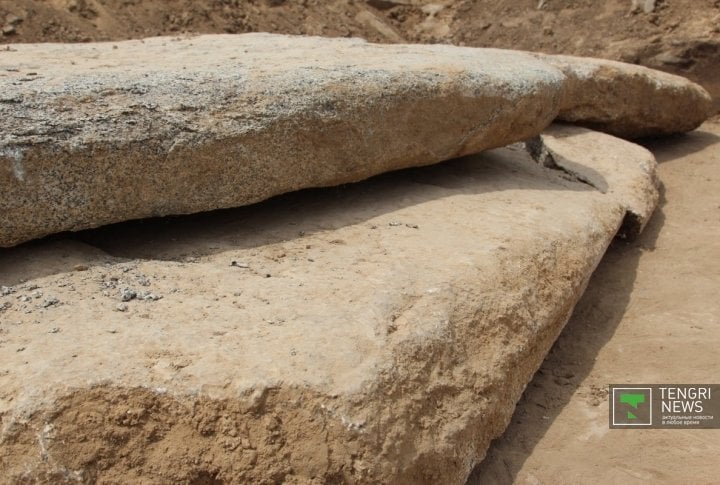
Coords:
pixel 679 36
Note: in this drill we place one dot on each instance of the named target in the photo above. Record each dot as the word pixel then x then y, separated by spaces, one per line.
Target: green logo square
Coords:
pixel 632 406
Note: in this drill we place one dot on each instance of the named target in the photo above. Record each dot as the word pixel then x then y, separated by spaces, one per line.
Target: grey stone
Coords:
pixel 91 134
pixel 127 294
pixel 173 126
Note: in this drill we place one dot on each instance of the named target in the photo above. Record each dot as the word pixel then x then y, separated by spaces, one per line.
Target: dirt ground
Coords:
pixel 651 312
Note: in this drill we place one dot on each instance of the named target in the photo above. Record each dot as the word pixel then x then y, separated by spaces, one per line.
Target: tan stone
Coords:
pixel 377 333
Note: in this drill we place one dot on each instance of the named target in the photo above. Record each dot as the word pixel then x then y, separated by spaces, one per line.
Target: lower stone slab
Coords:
pixel 377 332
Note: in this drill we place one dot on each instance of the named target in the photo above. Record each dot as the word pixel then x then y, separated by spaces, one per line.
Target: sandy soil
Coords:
pixel 650 314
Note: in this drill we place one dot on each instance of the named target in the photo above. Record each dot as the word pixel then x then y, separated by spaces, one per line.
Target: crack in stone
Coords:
pixel 631 225
pixel 539 152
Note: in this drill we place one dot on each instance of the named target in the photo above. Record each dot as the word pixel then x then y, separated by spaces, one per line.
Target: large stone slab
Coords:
pixel 376 333
pixel 93 134
pixel 628 100
pixel 97 133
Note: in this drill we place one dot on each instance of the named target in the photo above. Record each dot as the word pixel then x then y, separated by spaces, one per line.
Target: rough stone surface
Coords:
pixel 621 168
pixel 627 100
pixel 92 134
pixel 100 133
pixel 381 332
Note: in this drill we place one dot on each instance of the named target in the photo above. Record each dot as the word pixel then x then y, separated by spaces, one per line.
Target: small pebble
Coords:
pixel 13 19
pixel 147 296
pixel 122 307
pixel 54 330
pixel 239 265
pixel 6 290
pixel 127 294
pixel 50 302
pixel 412 226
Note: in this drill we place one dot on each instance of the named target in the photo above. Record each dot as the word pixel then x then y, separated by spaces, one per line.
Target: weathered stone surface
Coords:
pixel 623 169
pixel 627 100
pixel 93 134
pixel 381 332
pixel 99 133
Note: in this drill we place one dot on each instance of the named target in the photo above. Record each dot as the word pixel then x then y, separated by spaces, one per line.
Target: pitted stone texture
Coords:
pixel 92 134
pixel 626 100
